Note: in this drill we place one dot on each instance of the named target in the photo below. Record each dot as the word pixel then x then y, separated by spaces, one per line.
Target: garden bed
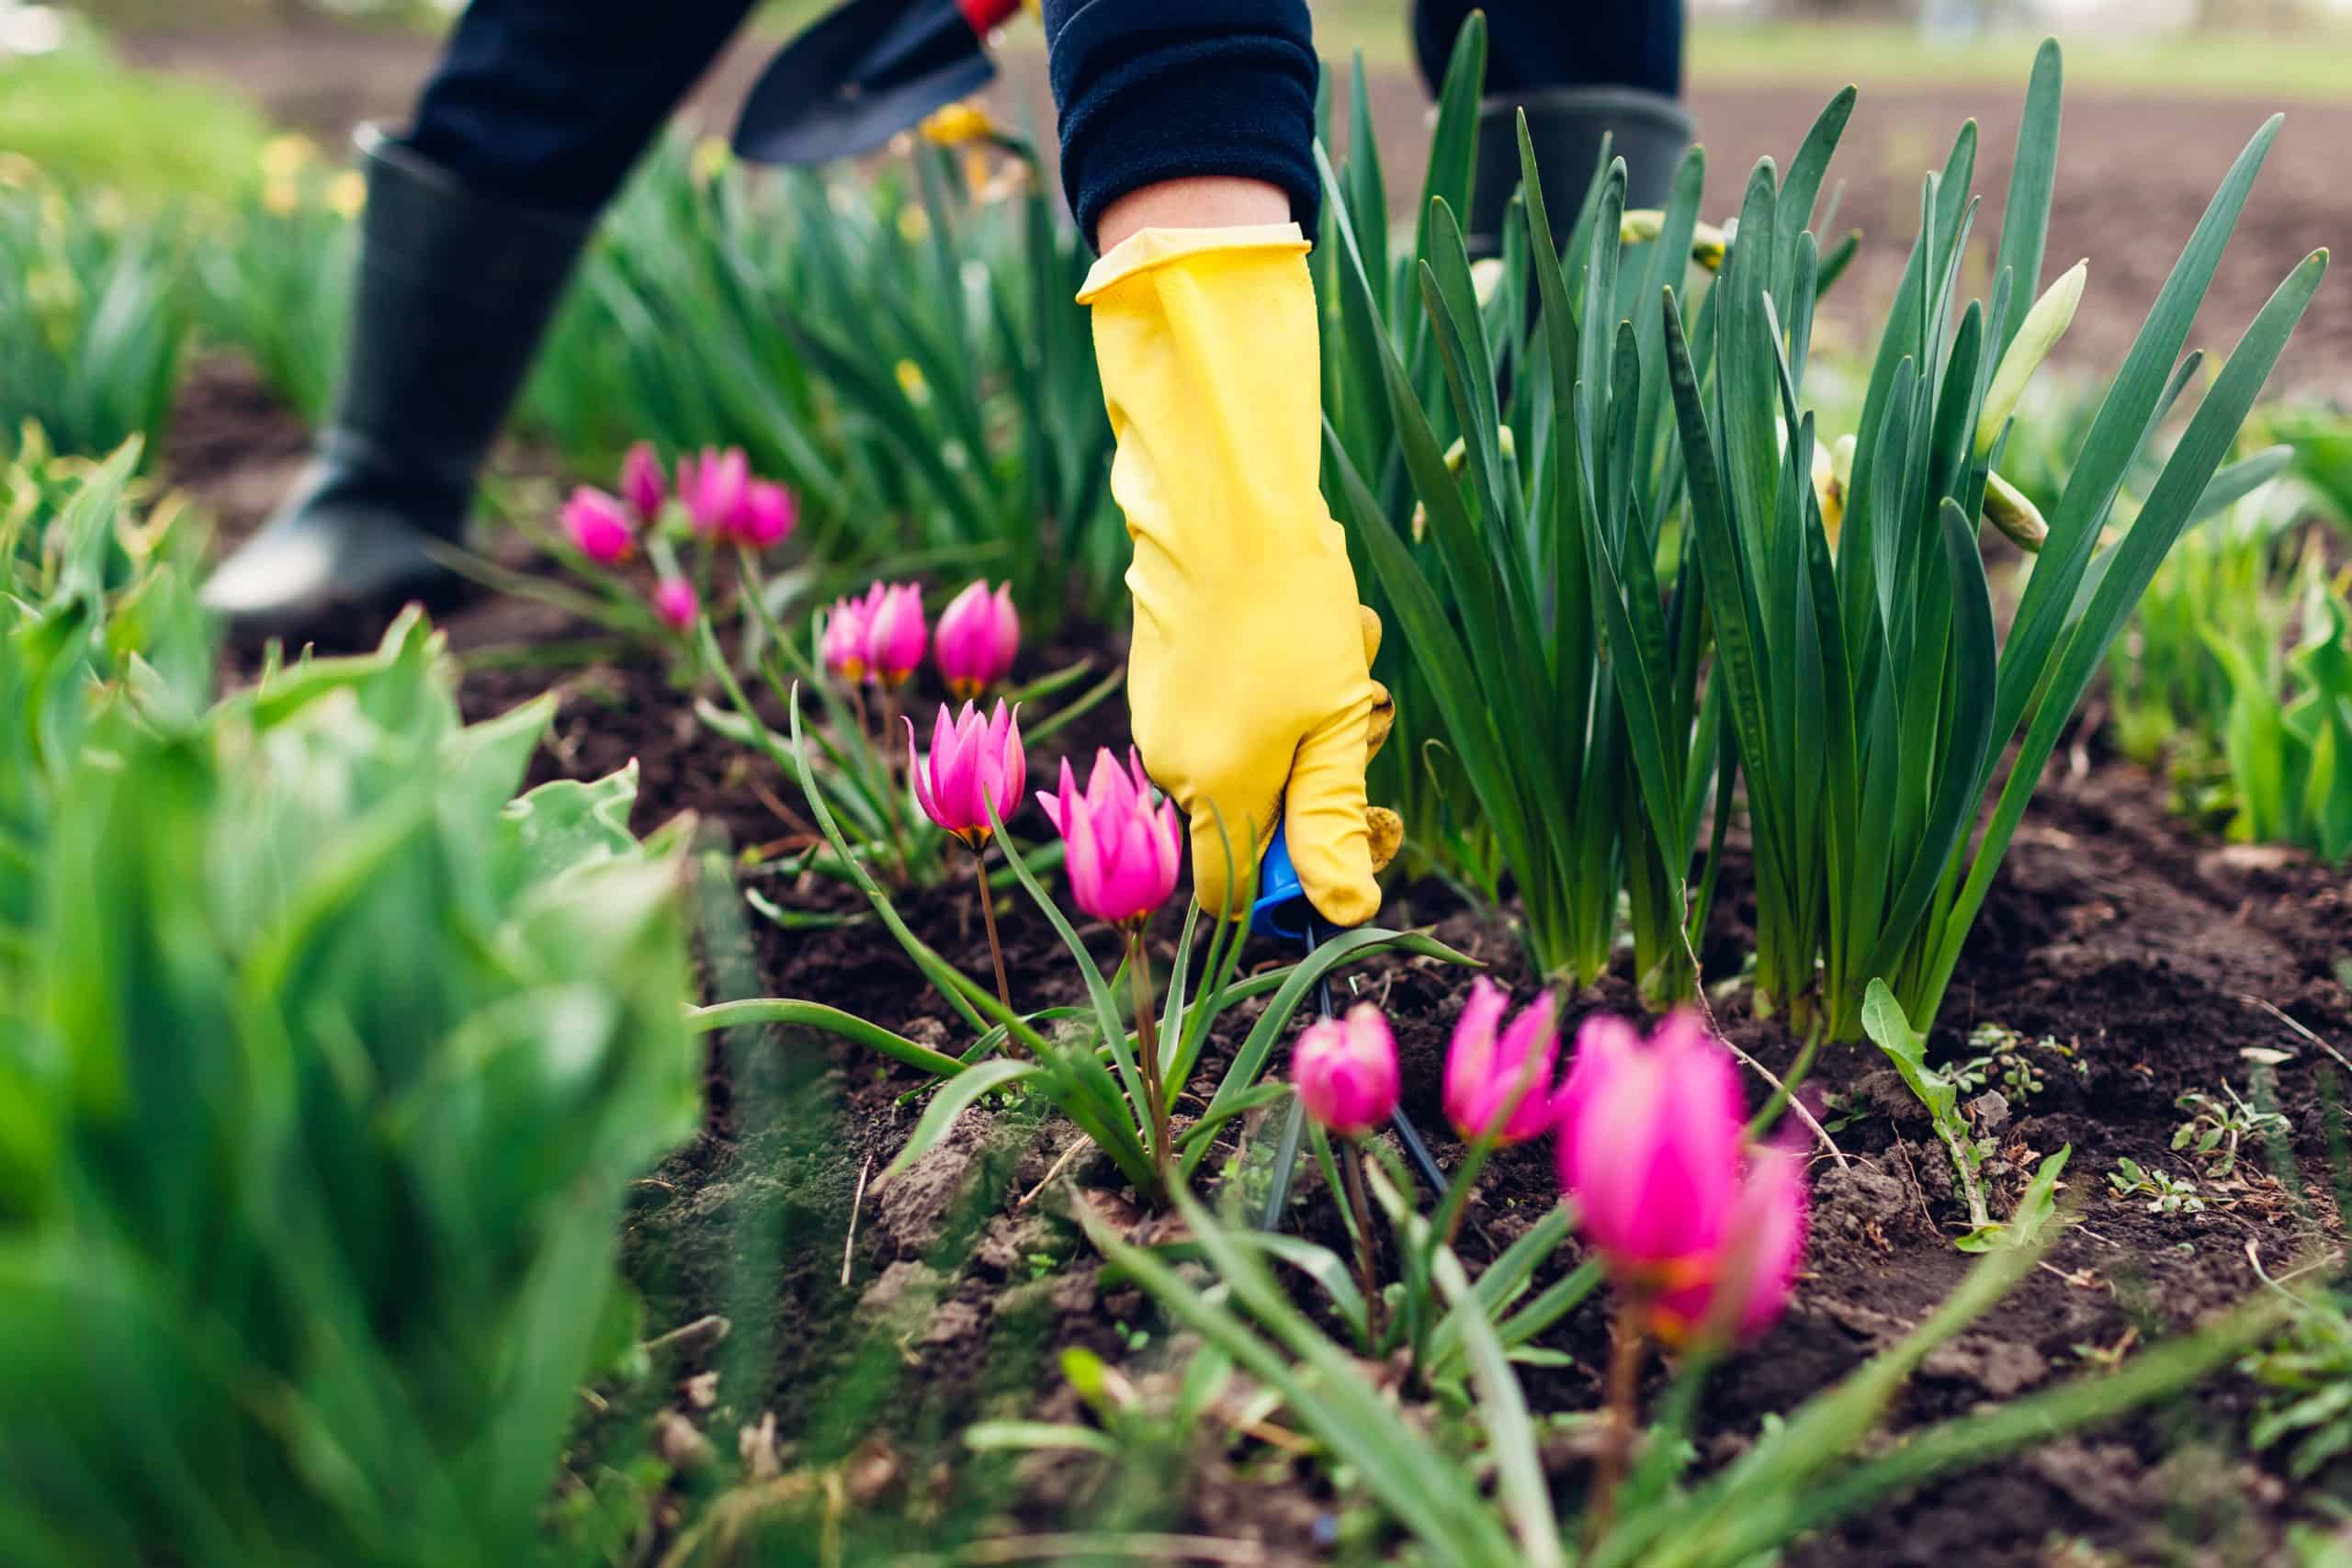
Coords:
pixel 2157 959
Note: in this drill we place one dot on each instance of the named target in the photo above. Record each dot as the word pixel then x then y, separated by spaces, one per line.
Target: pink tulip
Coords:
pixel 843 643
pixel 1650 1138
pixel 1345 1071
pixel 767 516
pixel 978 634
pixel 712 488
pixel 974 765
pixel 1759 1265
pixel 642 483
pixel 675 602
pixel 1500 1089
pixel 1123 852
pixel 895 634
pixel 598 525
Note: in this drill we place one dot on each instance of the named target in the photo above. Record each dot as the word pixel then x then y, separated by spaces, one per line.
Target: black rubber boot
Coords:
pixel 1648 130
pixel 455 289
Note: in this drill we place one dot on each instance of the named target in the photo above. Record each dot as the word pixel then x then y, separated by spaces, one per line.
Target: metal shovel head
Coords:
pixel 864 73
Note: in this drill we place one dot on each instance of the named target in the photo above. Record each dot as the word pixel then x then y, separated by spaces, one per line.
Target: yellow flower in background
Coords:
pixel 955 124
pixel 1639 225
pixel 283 157
pixel 281 196
pixel 1708 243
pixel 914 224
pixel 910 381
pixel 711 158
pixel 347 193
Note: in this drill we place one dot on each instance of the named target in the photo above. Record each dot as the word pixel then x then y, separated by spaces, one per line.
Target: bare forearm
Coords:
pixel 1207 201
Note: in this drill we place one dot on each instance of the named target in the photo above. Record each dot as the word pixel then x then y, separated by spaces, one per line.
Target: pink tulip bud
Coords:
pixel 768 513
pixel 978 634
pixel 896 634
pixel 1501 1088
pixel 1650 1138
pixel 843 644
pixel 1758 1267
pixel 1345 1071
pixel 975 764
pixel 598 525
pixel 1123 850
pixel 712 488
pixel 675 602
pixel 641 483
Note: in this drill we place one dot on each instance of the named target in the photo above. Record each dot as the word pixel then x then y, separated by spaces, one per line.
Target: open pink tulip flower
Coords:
pixel 599 525
pixel 1498 1075
pixel 1345 1071
pixel 766 517
pixel 1757 1267
pixel 1651 1137
pixel 975 765
pixel 978 634
pixel 676 603
pixel 1124 851
pixel 896 634
pixel 642 483
pixel 712 486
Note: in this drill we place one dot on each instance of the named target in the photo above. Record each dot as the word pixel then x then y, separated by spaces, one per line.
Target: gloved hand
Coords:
pixel 1250 676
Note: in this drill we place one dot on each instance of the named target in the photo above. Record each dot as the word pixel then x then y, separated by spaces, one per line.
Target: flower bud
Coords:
pixel 767 516
pixel 1710 244
pixel 896 634
pixel 1499 1078
pixel 842 644
pixel 675 602
pixel 1757 1269
pixel 712 488
pixel 978 634
pixel 2007 508
pixel 2036 336
pixel 975 766
pixel 1640 225
pixel 1124 851
pixel 1345 1071
pixel 1650 1138
pixel 642 483
pixel 955 123
pixel 598 526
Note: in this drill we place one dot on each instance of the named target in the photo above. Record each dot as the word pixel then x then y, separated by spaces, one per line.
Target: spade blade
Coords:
pixel 865 72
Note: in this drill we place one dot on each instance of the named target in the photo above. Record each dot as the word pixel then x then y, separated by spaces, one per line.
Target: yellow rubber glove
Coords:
pixel 1250 677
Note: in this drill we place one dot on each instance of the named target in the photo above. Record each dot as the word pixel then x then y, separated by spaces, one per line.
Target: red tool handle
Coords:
pixel 983 16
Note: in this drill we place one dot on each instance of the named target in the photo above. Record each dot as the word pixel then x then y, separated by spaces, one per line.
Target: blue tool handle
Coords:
pixel 1281 908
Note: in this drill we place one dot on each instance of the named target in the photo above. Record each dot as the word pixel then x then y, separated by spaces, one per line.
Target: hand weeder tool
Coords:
pixel 1281 910
pixel 865 72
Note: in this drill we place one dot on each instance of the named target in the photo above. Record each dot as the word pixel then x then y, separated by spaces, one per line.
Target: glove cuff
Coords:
pixel 1145 249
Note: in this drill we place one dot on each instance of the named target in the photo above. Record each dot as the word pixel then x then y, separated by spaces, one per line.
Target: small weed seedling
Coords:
pixel 2216 1127
pixel 2165 1194
pixel 2005 1062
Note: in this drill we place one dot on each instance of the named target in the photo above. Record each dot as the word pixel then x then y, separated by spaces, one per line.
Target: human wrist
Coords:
pixel 1201 201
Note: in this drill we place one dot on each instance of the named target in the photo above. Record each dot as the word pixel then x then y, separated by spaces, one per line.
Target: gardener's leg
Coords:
pixel 474 219
pixel 1581 69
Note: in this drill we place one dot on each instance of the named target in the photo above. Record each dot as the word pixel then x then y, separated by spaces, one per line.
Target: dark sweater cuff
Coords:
pixel 1213 87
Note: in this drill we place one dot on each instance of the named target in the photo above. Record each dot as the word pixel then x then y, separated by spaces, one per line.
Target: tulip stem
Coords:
pixel 1624 1385
pixel 988 918
pixel 1367 1272
pixel 1148 1051
pixel 1456 1202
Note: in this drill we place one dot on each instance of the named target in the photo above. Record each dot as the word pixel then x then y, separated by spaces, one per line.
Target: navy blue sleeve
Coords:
pixel 1153 90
